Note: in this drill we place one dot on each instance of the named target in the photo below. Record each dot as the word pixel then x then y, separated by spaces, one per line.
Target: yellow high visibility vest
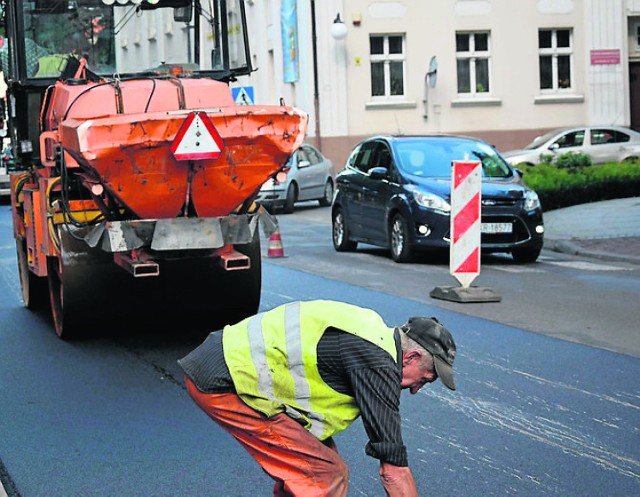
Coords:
pixel 272 358
pixel 51 65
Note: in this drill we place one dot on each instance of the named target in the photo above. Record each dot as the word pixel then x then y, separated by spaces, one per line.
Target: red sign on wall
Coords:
pixel 605 57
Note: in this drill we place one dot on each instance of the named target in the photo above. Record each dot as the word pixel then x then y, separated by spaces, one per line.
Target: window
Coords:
pixel 366 157
pixel 472 57
pixel 301 155
pixel 312 155
pixel 603 136
pixel 573 139
pixel 387 65
pixel 554 48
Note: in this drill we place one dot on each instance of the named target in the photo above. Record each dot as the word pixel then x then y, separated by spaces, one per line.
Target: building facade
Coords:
pixel 500 70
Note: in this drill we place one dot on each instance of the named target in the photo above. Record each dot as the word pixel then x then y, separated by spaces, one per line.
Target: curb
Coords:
pixel 569 247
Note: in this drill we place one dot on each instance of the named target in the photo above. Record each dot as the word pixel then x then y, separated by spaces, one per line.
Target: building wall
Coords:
pixel 514 111
pixel 514 101
pixel 606 28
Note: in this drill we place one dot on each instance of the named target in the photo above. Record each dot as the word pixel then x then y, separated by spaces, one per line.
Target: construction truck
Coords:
pixel 135 204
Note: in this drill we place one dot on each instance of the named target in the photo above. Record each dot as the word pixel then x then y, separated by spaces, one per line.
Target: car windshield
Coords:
pixel 432 157
pixel 541 140
pixel 132 37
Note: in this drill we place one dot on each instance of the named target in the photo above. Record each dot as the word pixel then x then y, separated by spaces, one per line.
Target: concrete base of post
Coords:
pixel 465 295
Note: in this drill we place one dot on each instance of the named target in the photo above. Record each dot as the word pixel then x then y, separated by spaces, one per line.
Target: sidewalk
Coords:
pixel 608 230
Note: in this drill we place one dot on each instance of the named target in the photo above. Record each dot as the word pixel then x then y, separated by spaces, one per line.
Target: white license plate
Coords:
pixel 494 228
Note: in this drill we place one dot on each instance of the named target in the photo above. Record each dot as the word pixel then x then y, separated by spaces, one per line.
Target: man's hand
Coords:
pixel 397 481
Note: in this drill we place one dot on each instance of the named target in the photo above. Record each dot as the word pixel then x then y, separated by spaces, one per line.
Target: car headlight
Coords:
pixel 531 201
pixel 431 201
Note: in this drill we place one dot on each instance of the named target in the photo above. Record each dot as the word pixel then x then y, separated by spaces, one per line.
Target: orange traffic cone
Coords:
pixel 275 245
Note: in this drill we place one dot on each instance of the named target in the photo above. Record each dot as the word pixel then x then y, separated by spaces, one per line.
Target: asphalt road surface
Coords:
pixel 533 415
pixel 565 296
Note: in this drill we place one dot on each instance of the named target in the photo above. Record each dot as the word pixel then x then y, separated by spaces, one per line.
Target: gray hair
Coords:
pixel 408 344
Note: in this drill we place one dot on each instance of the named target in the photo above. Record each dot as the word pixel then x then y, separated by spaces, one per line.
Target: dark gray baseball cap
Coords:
pixel 430 334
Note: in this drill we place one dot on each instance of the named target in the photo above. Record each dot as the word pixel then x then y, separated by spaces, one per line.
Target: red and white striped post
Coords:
pixel 466 227
pixel 464 253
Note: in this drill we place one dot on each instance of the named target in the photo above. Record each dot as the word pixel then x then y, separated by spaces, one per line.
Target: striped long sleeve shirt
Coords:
pixel 349 365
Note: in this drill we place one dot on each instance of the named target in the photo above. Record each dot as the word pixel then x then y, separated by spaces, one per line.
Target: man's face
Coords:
pixel 414 375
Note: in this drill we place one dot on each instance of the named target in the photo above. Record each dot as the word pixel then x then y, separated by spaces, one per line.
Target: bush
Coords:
pixel 573 161
pixel 580 184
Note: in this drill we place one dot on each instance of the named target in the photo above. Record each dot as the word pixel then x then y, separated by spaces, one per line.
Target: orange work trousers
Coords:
pixel 300 464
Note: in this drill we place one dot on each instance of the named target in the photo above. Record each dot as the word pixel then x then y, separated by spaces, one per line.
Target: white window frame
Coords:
pixel 386 58
pixel 471 57
pixel 554 51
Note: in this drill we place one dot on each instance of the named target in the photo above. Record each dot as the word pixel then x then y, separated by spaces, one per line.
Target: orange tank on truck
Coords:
pixel 134 205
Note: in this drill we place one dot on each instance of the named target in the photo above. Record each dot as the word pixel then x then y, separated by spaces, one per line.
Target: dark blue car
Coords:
pixel 395 192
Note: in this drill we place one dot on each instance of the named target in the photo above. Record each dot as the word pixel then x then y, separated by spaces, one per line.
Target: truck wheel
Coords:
pixel 64 321
pixel 34 288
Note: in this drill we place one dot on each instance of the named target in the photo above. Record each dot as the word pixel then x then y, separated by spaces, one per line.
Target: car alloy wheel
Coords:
pixel 340 234
pixel 399 240
pixel 328 194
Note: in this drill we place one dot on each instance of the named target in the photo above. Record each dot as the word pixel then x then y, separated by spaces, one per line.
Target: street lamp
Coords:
pixel 339 28
pixel 338 32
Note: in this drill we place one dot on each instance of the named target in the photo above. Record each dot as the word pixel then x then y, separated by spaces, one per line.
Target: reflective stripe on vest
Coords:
pixel 272 360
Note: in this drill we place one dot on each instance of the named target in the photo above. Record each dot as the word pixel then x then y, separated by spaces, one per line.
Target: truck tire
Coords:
pixel 65 321
pixel 34 288
pixel 92 295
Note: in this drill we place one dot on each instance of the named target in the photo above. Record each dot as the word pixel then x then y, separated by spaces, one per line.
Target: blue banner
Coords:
pixel 289 26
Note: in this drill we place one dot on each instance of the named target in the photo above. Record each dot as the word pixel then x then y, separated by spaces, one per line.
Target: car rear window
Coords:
pixel 604 136
pixel 432 157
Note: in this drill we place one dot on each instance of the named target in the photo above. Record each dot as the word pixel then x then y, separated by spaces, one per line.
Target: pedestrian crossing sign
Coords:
pixel 243 95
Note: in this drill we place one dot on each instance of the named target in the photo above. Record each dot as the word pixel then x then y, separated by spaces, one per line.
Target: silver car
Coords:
pixel 308 175
pixel 602 143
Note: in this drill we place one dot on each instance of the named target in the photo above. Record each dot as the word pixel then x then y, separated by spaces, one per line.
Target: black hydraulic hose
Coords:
pixel 66 114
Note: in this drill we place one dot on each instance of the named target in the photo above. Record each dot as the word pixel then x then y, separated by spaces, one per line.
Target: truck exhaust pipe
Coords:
pixel 140 265
pixel 232 260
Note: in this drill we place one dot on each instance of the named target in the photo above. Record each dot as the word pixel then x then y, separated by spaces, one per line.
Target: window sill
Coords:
pixel 476 102
pixel 400 104
pixel 559 99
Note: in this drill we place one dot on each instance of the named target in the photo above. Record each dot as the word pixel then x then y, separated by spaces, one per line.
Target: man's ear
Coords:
pixel 409 356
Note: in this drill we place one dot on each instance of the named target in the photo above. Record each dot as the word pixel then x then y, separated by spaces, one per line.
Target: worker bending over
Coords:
pixel 284 381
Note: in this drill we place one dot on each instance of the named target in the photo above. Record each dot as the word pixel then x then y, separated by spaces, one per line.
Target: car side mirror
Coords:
pixel 554 146
pixel 378 172
pixel 304 163
pixel 519 171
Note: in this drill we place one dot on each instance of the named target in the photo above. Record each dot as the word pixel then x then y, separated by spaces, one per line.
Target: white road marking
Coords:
pixel 588 266
pixel 518 269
